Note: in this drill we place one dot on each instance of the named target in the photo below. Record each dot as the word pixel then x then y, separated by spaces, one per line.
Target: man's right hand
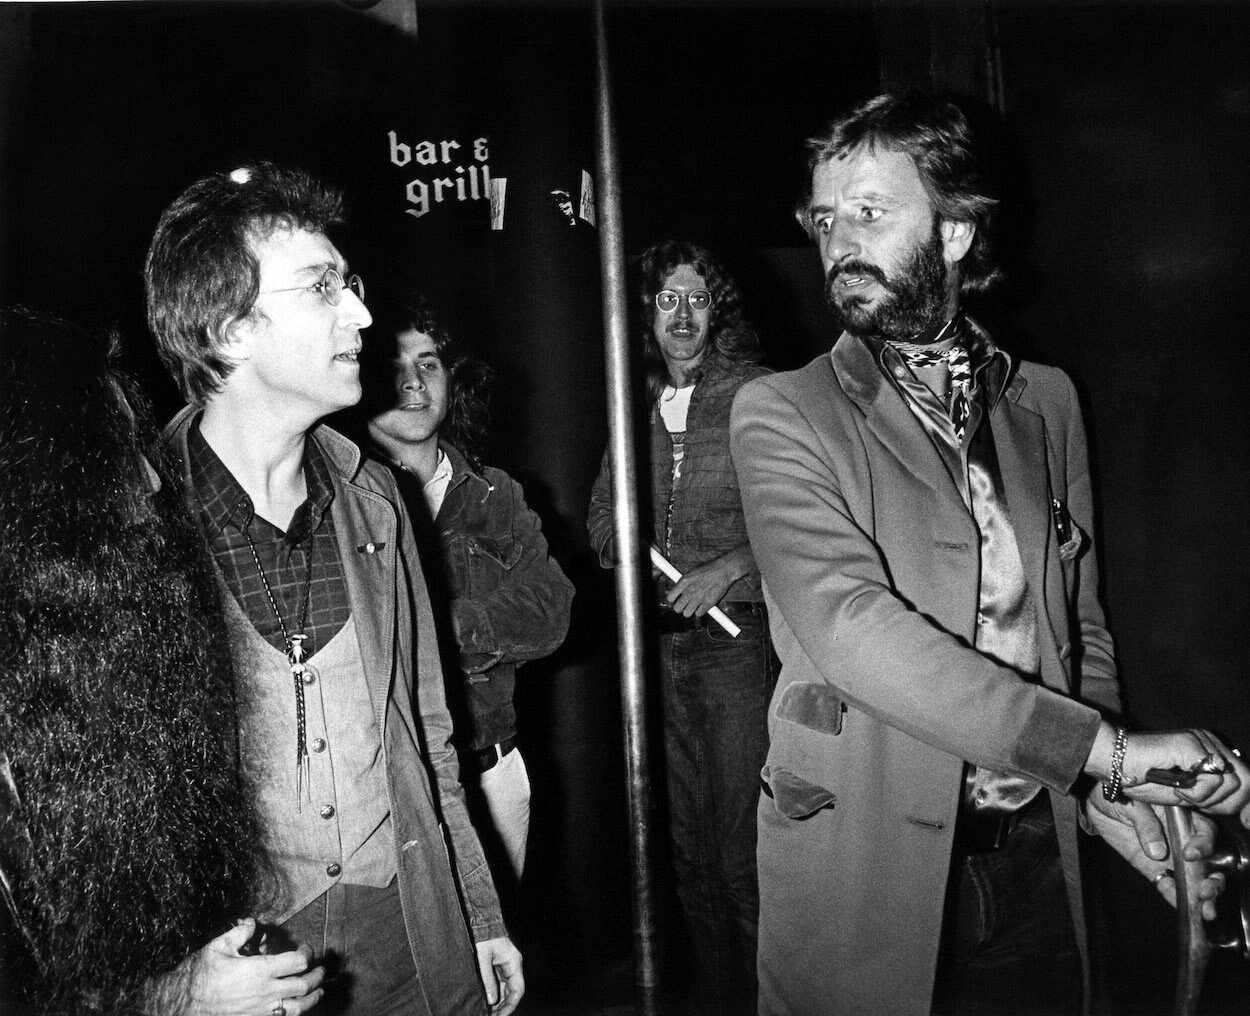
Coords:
pixel 1226 793
pixel 1136 832
pixel 219 980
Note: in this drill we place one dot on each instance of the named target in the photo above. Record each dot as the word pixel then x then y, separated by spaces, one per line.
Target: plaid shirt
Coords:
pixel 229 519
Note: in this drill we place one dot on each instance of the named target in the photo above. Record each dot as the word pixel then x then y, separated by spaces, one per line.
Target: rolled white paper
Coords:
pixel 715 613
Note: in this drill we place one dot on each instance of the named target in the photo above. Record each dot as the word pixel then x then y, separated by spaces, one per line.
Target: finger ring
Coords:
pixel 1213 764
pixel 279 1008
pixel 1165 873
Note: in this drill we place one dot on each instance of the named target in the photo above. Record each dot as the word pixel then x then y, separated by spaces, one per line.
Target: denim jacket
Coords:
pixel 706 520
pixel 508 600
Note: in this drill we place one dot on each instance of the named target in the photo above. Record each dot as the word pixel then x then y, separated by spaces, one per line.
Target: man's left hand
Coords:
pixel 499 964
pixel 700 589
pixel 1135 830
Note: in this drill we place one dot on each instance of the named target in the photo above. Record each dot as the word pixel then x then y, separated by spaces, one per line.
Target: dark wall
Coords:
pixel 1134 125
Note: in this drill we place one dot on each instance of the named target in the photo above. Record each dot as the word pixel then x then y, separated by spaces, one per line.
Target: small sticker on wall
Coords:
pixel 498 199
pixel 587 209
pixel 565 204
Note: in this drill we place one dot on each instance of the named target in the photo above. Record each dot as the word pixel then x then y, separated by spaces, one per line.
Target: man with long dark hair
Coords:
pixel 699 350
pixel 343 722
pixel 503 599
pixel 920 504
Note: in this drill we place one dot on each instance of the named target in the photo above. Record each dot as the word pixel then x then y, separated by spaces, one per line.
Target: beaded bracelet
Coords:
pixel 1111 789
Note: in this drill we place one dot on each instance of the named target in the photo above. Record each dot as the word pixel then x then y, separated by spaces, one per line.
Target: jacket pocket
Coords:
pixel 812 705
pixel 499 554
pixel 475 565
pixel 794 796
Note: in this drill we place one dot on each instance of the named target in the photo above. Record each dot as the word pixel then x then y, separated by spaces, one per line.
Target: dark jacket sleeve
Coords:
pixel 525 616
pixel 601 518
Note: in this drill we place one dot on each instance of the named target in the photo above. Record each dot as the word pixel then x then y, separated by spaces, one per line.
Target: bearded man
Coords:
pixel 920 507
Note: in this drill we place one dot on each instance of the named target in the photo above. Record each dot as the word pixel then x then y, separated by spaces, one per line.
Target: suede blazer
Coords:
pixel 446 906
pixel 870 562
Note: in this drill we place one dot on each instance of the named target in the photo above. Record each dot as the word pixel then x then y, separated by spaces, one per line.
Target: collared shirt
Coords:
pixel 436 487
pixel 1006 615
pixel 229 518
pixel 991 370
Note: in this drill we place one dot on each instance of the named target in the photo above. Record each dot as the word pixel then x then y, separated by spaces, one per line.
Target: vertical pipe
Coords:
pixel 629 556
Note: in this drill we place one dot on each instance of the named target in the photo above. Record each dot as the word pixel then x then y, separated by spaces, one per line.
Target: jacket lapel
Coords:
pixel 889 419
pixel 1020 440
pixel 366 531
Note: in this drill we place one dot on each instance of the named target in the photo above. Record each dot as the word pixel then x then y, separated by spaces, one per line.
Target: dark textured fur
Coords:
pixel 134 842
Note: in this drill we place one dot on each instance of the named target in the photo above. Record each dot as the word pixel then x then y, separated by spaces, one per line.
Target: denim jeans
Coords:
pixel 1010 948
pixel 716 691
pixel 358 933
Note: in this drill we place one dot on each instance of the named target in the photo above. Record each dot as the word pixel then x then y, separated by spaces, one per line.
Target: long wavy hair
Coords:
pixel 131 841
pixel 733 338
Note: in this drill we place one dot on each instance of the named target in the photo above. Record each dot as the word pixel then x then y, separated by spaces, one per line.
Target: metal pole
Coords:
pixel 629 571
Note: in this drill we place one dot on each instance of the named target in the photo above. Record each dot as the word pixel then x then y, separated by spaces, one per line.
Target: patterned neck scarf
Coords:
pixel 960 366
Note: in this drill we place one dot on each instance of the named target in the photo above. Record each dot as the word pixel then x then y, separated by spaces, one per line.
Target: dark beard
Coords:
pixel 916 300
pixel 134 841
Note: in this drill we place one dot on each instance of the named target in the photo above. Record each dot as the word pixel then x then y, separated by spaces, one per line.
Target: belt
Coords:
pixel 482 759
pixel 669 622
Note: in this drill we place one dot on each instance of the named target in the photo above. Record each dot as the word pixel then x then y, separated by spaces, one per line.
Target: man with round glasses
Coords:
pixel 344 731
pixel 698 351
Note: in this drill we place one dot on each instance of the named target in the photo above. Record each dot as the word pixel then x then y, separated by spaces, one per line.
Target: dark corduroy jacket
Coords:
pixel 507 599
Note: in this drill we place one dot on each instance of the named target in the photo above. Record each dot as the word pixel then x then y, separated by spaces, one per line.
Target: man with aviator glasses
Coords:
pixel 698 351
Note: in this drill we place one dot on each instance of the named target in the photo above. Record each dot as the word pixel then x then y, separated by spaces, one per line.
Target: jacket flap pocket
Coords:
pixel 812 705
pixel 505 553
pixel 794 796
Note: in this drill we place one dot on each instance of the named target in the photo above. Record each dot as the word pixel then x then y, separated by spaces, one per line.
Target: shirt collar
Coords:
pixel 442 471
pixel 990 365
pixel 224 502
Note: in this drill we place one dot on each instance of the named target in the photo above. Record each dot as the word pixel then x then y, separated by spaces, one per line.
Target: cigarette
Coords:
pixel 715 613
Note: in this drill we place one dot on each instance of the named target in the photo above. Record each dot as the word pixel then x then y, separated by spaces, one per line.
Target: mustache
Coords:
pixel 856 267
